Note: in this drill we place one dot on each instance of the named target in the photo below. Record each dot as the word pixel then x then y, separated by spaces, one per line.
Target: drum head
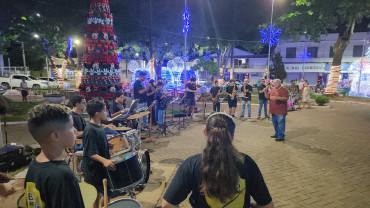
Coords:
pixel 122 157
pixel 125 203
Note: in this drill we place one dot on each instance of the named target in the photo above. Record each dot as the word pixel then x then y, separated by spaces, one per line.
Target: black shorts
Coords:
pixel 95 178
pixel 232 103
pixel 190 102
pixel 24 93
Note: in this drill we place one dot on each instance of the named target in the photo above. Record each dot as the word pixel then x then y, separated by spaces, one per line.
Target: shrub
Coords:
pixel 322 100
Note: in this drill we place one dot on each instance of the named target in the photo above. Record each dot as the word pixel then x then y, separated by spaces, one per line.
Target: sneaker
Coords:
pixel 233 116
pixel 145 129
pixel 279 139
pixel 273 136
pixel 241 116
pixel 259 117
pixel 249 117
pixel 267 116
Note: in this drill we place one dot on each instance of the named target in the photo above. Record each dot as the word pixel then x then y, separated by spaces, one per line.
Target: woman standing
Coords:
pixel 221 176
pixel 306 95
pixel 24 90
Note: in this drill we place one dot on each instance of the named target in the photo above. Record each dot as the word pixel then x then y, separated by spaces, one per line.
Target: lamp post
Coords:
pixel 268 59
pixel 185 30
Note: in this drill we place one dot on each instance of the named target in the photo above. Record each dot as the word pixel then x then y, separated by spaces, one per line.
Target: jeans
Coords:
pixel 160 117
pixel 216 107
pixel 279 124
pixel 262 102
pixel 243 107
pixel 145 118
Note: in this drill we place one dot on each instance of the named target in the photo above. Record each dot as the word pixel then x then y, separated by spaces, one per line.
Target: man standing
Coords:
pixel 190 96
pixel 214 92
pixel 262 99
pixel 150 99
pixel 140 93
pixel 231 96
pixel 278 108
pixel 246 90
pixel 294 91
pixel 79 106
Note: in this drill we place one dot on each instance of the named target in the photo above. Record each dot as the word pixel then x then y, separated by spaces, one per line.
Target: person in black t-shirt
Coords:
pixel 49 181
pixel 140 93
pixel 190 96
pixel 160 108
pixel 262 99
pixel 231 91
pixel 220 176
pixel 151 97
pixel 79 106
pixel 96 158
pixel 214 92
pixel 247 93
pixel 116 108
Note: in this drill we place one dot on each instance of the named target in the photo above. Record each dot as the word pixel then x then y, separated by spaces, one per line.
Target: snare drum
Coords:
pixel 125 203
pixel 117 144
pixel 134 139
pixel 128 172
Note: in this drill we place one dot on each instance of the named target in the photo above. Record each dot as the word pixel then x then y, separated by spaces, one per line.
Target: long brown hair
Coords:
pixel 220 175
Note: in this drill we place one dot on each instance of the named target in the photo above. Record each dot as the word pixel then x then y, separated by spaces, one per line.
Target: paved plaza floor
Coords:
pixel 324 162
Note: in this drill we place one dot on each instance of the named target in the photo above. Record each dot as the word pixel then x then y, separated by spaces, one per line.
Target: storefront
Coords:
pixel 311 71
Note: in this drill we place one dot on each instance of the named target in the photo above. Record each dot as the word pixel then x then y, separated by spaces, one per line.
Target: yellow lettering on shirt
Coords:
pixel 33 196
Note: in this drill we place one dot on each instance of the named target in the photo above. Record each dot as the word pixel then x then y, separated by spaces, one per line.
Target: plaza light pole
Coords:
pixel 268 59
pixel 185 38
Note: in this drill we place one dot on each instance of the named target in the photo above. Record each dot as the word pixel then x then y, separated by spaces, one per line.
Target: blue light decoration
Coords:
pixel 207 56
pixel 270 35
pixel 45 44
pixel 119 57
pixel 186 17
pixel 69 46
pixel 361 80
pixel 185 58
pixel 304 56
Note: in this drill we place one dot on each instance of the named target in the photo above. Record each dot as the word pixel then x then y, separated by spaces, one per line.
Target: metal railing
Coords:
pixel 7 71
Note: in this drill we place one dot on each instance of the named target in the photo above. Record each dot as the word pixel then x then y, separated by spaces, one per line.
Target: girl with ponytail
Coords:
pixel 219 177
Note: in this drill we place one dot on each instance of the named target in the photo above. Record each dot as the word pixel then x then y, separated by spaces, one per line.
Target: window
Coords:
pixel 331 52
pixel 357 50
pixel 313 51
pixel 291 52
pixel 17 77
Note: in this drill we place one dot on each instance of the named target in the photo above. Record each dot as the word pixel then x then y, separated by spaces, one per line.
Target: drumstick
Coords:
pixel 18 178
pixel 105 193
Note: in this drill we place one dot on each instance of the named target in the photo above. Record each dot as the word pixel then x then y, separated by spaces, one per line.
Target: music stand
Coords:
pixel 182 125
pixel 203 98
pixel 167 100
pixel 150 108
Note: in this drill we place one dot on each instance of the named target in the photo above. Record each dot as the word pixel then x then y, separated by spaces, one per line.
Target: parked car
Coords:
pixel 14 81
pixel 53 82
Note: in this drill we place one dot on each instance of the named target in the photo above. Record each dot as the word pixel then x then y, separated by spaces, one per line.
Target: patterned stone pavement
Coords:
pixel 324 162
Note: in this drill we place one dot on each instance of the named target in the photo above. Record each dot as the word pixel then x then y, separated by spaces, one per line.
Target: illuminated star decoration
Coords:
pixel 304 56
pixel 45 44
pixel 186 17
pixel 270 35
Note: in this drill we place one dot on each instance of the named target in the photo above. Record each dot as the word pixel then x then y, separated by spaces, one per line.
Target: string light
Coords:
pixel 304 56
pixel 186 17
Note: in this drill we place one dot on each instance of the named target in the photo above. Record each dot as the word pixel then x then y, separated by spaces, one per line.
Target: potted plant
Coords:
pixel 322 100
pixel 53 95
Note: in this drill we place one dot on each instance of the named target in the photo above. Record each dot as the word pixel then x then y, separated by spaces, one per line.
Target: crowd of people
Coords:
pixel 218 177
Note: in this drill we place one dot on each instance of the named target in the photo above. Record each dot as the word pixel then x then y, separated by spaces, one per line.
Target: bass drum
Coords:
pixel 144 159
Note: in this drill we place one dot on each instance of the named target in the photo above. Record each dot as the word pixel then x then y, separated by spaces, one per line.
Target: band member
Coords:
pixel 232 99
pixel 140 93
pixel 247 98
pixel 220 176
pixel 190 96
pixel 151 97
pixel 214 92
pixel 49 181
pixel 96 158
pixel 117 108
pixel 160 108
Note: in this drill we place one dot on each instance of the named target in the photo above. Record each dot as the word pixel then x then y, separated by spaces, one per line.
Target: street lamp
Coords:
pixel 38 14
pixel 268 60
pixel 77 41
pixel 36 36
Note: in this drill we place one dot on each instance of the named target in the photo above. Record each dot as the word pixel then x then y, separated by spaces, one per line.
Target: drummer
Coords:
pixel 116 108
pixel 79 106
pixel 95 146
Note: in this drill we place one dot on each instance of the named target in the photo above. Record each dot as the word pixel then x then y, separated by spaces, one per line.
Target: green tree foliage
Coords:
pixel 206 65
pixel 278 69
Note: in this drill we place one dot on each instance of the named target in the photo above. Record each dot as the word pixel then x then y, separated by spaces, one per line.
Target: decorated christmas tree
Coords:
pixel 101 73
